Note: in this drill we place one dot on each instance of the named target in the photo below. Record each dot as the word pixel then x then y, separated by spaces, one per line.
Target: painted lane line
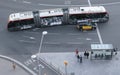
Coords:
pixel 58 43
pixel 31 32
pixel 74 43
pixel 26 2
pixel 89 3
pixel 32 38
pixel 80 38
pixel 88 39
pixel 99 36
pixel 24 41
pixel 14 0
pixel 51 43
pixel 28 62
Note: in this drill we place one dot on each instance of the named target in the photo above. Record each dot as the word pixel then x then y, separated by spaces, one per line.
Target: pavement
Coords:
pixel 6 67
pixel 87 67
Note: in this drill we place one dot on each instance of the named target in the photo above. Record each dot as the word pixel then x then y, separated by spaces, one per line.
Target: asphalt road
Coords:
pixel 21 45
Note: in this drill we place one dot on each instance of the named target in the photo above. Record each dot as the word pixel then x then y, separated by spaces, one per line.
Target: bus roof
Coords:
pixel 51 12
pixel 55 12
pixel 20 16
pixel 81 10
pixel 29 14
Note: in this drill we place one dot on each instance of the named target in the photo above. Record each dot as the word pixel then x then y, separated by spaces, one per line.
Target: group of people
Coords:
pixel 80 57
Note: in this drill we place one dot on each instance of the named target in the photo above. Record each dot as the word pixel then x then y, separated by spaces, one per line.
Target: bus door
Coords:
pixel 65 16
pixel 37 20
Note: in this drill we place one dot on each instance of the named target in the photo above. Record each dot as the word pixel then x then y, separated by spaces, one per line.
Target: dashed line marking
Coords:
pixel 27 41
pixel 51 43
pixel 56 43
pixel 28 62
pixel 88 39
pixel 26 2
pixel 74 43
pixel 14 0
pixel 32 38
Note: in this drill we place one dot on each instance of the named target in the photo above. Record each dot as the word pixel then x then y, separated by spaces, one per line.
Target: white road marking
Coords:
pixel 28 62
pixel 32 32
pixel 27 41
pixel 80 38
pixel 40 65
pixel 55 43
pixel 88 39
pixel 35 29
pixel 89 3
pixel 74 42
pixel 51 42
pixel 14 0
pixel 32 38
pixel 35 69
pixel 26 2
pixel 99 36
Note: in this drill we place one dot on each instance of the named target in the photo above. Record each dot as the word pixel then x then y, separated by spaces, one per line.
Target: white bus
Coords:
pixel 95 13
pixel 58 16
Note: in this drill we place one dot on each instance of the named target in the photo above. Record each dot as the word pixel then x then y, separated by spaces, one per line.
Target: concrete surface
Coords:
pixel 6 68
pixel 88 67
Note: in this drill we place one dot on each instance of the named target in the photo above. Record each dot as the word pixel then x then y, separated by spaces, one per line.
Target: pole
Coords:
pixel 65 63
pixel 65 69
pixel 41 44
pixel 39 67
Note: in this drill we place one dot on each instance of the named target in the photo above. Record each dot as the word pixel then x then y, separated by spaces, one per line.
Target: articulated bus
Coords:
pixel 58 16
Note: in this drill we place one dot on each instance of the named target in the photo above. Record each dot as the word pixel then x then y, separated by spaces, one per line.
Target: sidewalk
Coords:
pixel 6 68
pixel 88 67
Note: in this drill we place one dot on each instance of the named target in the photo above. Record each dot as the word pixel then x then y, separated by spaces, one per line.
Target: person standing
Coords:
pixel 77 52
pixel 87 54
pixel 14 66
pixel 80 59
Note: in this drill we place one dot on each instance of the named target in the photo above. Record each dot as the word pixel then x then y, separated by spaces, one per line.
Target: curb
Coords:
pixel 18 63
